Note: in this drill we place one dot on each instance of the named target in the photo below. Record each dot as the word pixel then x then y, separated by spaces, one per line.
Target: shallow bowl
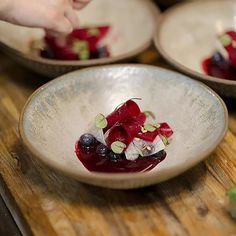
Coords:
pixel 60 111
pixel 132 22
pixel 187 34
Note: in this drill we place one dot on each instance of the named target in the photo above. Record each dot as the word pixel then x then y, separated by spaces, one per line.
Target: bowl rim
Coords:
pixel 179 66
pixel 115 176
pixel 155 16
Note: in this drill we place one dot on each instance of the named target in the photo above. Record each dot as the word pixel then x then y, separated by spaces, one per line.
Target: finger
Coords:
pixel 79 4
pixel 62 26
pixel 71 15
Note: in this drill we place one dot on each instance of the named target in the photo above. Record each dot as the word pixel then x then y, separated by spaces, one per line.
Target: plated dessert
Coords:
pixel 126 140
pixel 82 44
pixel 223 65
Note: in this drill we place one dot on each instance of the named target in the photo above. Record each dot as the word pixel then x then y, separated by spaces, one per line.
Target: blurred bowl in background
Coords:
pixel 188 33
pixel 132 22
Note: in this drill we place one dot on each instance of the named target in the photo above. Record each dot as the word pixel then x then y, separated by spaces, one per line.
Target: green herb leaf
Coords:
pixel 231 193
pixel 100 121
pixel 165 140
pixel 80 45
pixel 149 127
pixel 225 40
pixel 84 55
pixel 150 114
pixel 118 147
pixel 93 32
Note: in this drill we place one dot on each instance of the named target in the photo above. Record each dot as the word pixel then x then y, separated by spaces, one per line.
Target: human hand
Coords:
pixel 53 15
pixel 79 4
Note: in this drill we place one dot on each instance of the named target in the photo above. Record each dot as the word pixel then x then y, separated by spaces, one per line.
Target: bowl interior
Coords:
pixel 59 112
pixel 132 25
pixel 188 33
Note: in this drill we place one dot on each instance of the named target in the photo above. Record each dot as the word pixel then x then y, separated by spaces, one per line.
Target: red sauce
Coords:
pixel 223 70
pixel 96 163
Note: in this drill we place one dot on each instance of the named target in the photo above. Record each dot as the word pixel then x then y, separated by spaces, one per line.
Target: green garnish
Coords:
pixel 149 127
pixel 100 121
pixel 165 140
pixel 231 193
pixel 118 147
pixel 150 114
pixel 80 45
pixel 225 40
pixel 93 32
pixel 84 55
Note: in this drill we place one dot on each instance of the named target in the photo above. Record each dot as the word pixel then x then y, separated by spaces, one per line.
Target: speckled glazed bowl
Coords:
pixel 187 34
pixel 132 22
pixel 60 111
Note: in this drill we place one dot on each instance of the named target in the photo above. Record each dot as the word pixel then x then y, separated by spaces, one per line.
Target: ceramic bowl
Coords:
pixel 187 34
pixel 132 24
pixel 60 111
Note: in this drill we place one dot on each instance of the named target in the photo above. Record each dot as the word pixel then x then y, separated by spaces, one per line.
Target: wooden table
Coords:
pixel 46 203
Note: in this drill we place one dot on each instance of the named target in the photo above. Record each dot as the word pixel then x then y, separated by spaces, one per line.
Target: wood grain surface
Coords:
pixel 46 203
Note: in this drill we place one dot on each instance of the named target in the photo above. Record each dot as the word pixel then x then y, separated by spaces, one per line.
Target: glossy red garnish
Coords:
pixel 92 35
pixel 231 48
pixel 164 130
pixel 128 110
pixel 126 131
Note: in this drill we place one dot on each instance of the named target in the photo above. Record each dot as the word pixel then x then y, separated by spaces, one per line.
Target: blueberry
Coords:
pixel 114 156
pixel 87 140
pixel 102 52
pixel 102 150
pixel 47 53
pixel 159 155
pixel 217 58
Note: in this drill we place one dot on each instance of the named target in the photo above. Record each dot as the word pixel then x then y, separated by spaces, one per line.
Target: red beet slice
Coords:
pixel 60 52
pixel 231 48
pixel 205 65
pixel 127 131
pixel 164 130
pixel 148 136
pixel 92 35
pixel 65 54
pixel 128 110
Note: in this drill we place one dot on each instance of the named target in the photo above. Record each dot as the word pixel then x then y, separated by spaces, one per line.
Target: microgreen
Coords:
pixel 231 193
pixel 225 40
pixel 118 147
pixel 149 127
pixel 165 140
pixel 149 114
pixel 100 121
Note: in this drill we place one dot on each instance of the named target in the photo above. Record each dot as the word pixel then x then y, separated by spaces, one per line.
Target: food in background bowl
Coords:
pixel 81 44
pixel 219 65
pixel 127 140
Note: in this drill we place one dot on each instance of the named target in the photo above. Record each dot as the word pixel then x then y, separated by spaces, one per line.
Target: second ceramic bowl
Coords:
pixel 132 25
pixel 188 34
